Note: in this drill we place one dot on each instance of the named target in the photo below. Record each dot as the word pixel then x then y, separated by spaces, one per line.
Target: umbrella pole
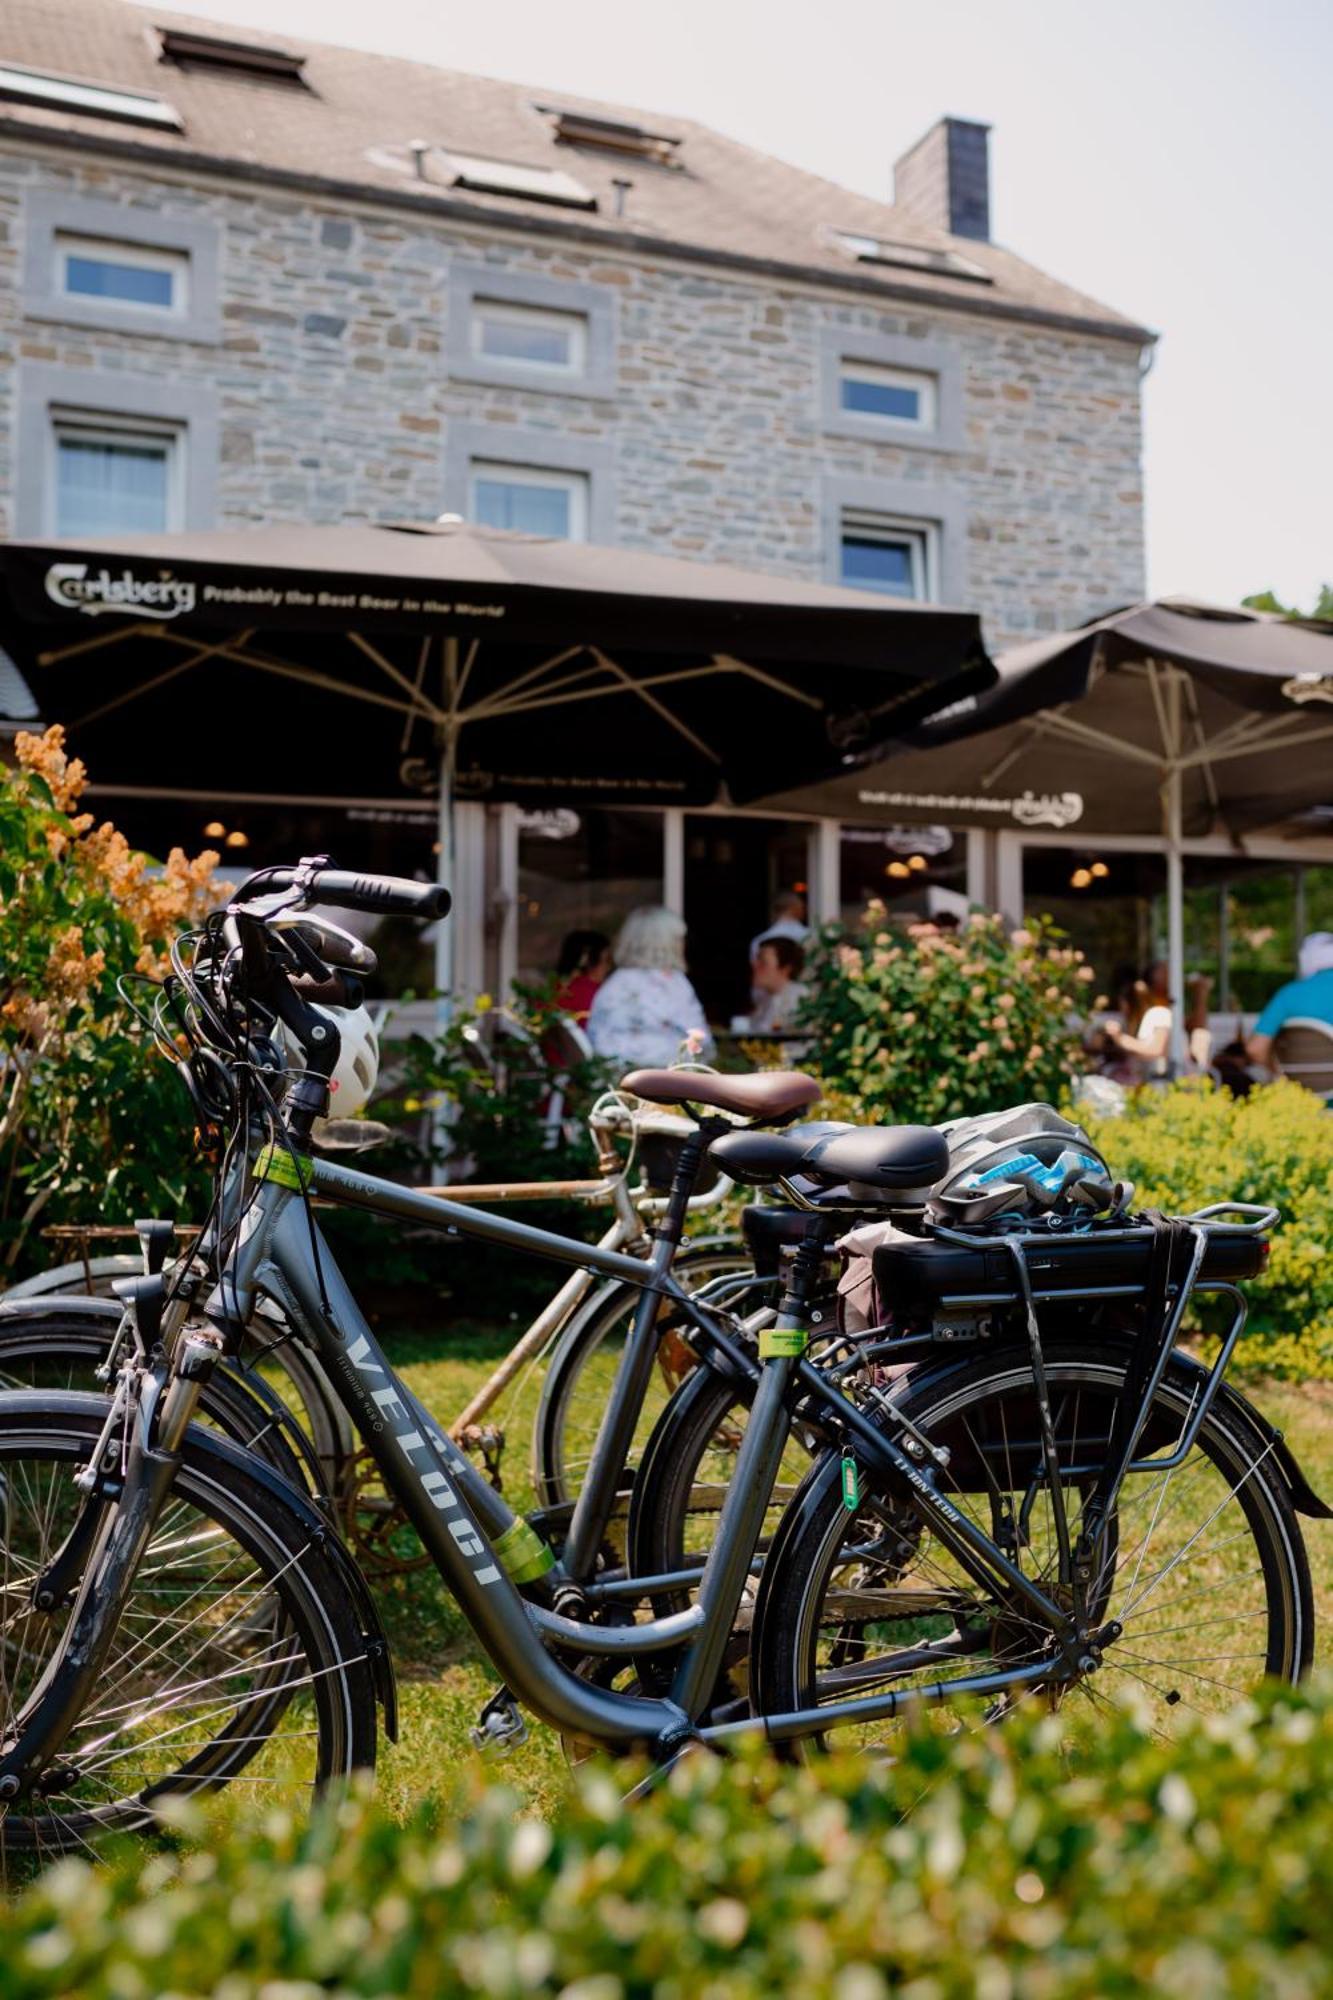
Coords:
pixel 1175 885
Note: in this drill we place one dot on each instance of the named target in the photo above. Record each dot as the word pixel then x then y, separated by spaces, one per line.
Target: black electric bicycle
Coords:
pixel 1034 1520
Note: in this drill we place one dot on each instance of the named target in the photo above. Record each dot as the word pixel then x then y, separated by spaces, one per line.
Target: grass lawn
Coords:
pixel 443 1679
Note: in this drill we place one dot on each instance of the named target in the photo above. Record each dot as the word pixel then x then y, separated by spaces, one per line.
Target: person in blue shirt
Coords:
pixel 1309 998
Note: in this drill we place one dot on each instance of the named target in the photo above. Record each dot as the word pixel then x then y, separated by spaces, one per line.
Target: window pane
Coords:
pixel 543 341
pixel 104 486
pixel 583 870
pixel 97 277
pixel 881 398
pixel 535 510
pixel 872 564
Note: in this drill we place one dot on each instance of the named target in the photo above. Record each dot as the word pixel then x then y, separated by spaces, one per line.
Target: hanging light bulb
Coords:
pixel 917 862
pixel 237 839
pixel 1100 870
pixel 899 870
pixel 214 830
pixel 1081 879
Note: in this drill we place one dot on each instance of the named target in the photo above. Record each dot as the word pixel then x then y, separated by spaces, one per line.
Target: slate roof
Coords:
pixel 357 114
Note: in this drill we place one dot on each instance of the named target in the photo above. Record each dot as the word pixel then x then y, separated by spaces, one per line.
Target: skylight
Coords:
pixel 910 256
pixel 483 176
pixel 186 48
pixel 580 128
pixel 90 100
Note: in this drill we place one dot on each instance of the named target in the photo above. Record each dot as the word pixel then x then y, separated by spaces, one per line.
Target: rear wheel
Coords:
pixel 239 1659
pixel 1204 1566
pixel 583 1367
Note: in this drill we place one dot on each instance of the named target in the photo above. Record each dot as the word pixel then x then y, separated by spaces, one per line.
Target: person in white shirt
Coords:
pixel 646 1014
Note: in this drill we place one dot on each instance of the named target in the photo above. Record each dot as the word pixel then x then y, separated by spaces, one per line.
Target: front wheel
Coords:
pixel 1204 1568
pixel 239 1658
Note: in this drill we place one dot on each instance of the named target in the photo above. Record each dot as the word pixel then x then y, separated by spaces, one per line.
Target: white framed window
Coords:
pixel 530 498
pixel 897 557
pixel 530 336
pixel 121 274
pixel 899 397
pixel 111 474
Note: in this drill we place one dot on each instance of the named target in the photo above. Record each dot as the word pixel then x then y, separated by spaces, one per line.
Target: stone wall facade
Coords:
pixel 328 388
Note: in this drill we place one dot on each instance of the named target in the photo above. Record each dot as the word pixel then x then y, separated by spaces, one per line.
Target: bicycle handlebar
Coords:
pixel 344 889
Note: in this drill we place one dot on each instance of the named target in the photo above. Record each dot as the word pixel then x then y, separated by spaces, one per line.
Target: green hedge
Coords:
pixel 1195 1144
pixel 998 1864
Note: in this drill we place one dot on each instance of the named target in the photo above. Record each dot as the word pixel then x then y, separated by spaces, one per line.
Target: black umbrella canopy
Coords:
pixel 1092 729
pixel 528 668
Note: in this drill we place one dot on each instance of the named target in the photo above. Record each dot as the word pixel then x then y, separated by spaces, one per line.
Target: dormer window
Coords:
pixel 611 135
pixel 189 50
pixel 509 177
pixel 909 256
pixel 87 100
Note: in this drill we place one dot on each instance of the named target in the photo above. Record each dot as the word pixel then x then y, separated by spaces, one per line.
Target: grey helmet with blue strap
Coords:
pixel 1022 1165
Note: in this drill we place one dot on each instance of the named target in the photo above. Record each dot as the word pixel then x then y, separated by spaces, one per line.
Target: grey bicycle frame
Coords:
pixel 460 1518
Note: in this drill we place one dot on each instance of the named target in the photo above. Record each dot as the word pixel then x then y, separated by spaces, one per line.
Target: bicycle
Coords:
pixel 882 1538
pixel 57 1330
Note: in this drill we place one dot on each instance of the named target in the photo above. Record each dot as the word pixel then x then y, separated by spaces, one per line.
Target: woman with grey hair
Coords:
pixel 646 1014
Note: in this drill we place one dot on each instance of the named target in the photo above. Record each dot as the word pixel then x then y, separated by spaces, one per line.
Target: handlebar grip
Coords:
pixel 384 895
pixel 344 889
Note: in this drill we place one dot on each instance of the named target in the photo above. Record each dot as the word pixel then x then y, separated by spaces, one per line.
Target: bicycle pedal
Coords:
pixel 500 1727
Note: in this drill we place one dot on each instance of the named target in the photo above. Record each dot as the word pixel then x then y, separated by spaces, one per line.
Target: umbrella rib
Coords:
pixel 263 664
pixel 640 688
pixel 626 684
pixel 422 658
pixel 1081 732
pixel 528 674
pixel 197 658
pixel 396 674
pixel 1170 748
pixel 1201 757
pixel 112 638
pixel 468 664
pixel 509 699
pixel 733 666
pixel 1297 739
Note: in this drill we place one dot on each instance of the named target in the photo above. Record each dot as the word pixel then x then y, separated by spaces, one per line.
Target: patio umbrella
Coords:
pixel 1168 717
pixel 351 660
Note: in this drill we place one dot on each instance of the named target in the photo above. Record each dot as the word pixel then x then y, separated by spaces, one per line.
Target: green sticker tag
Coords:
pixel 851 1483
pixel 523 1554
pixel 275 1163
pixel 782 1343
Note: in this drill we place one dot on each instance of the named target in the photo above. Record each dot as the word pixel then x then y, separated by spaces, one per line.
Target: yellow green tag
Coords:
pixel 275 1163
pixel 851 1483
pixel 782 1343
pixel 522 1553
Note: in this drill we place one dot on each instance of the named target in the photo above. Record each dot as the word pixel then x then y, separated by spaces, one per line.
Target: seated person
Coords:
pixel 584 962
pixel 1309 998
pixel 776 974
pixel 647 1008
pixel 1144 1048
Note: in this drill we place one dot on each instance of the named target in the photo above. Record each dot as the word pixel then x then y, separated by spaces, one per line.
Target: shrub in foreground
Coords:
pixel 1195 1144
pixel 992 1864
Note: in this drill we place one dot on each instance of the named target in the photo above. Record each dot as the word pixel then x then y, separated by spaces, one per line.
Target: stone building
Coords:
pixel 243 282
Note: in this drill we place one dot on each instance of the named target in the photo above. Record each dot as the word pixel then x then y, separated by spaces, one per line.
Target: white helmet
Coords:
pixel 358 1064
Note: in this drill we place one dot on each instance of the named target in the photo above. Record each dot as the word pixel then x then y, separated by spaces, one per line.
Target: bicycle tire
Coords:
pixel 806 1641
pixel 572 1399
pixel 301 1685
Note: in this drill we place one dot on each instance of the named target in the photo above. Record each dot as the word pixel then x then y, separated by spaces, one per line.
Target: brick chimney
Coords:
pixel 945 179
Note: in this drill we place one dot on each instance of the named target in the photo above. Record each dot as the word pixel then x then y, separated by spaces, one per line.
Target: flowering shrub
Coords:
pixel 92 1124
pixel 928 1024
pixel 1196 1144
pixel 981 1865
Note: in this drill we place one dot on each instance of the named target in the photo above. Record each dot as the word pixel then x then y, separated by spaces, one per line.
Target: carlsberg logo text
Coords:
pixel 75 587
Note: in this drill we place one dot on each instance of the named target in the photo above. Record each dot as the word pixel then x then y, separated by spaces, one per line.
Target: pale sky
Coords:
pixel 1173 158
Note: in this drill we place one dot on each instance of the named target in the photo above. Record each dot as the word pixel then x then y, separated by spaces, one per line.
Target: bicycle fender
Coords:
pixel 79 1305
pixel 1303 1496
